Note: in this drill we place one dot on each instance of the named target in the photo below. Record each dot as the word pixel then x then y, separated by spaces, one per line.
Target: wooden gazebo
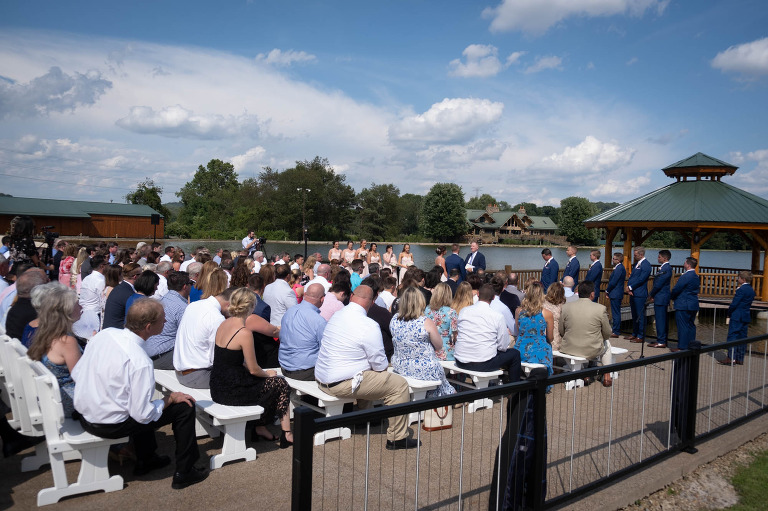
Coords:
pixel 697 205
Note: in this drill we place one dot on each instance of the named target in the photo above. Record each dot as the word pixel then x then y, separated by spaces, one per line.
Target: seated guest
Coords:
pixel 322 274
pixel 352 364
pixel 380 315
pixel 453 279
pixel 462 298
pixel 279 295
pixel 52 342
pixel 570 296
pixel 160 347
pixel 193 269
pixel 334 299
pixel 496 304
pixel 214 283
pixel 445 318
pixel 300 334
pixel 22 312
pixel 535 327
pixel 356 272
pixel 114 309
pixel 585 328
pixel 145 286
pixel 114 384
pixel 266 345
pixel 295 283
pixel 237 379
pixel 553 302
pixel 482 343
pixel 511 300
pixel 92 290
pixel 512 281
pixel 416 341
pixel 387 295
pixel 162 270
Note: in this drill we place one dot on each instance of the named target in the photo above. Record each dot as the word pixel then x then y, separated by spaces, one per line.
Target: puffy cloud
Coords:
pixel 481 60
pixel 536 16
pixel 542 63
pixel 278 57
pixel 756 179
pixel 482 150
pixel 452 121
pixel 254 154
pixel 55 91
pixel 177 121
pixel 591 155
pixel 615 187
pixel 515 57
pixel 747 59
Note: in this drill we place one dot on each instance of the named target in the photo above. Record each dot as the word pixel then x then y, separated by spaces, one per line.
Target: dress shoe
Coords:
pixel 630 337
pixel 614 336
pixel 403 443
pixel 194 476
pixel 284 442
pixel 20 443
pixel 146 466
pixel 607 380
pixel 588 380
pixel 727 361
pixel 656 345
pixel 636 340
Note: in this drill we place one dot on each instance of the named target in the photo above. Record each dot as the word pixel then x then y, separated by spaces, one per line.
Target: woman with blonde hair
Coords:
pixel 463 297
pixel 308 269
pixel 416 341
pixel 205 272
pixel 295 283
pixel 236 377
pixel 214 284
pixel 446 319
pixel 76 280
pixel 53 343
pixel 553 302
pixel 534 326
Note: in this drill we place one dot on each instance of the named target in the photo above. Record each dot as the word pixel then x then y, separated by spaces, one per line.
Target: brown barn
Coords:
pixel 75 218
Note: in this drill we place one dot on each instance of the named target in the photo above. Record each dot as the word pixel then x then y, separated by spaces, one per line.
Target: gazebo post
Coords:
pixel 627 247
pixel 755 257
pixel 696 246
pixel 764 298
pixel 610 235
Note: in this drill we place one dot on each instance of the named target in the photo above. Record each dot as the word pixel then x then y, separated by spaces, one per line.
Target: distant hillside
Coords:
pixel 174 208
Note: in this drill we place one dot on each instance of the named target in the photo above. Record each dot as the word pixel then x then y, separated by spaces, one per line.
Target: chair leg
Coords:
pixel 37 460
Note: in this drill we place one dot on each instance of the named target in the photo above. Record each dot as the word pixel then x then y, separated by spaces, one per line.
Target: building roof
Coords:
pixel 70 209
pixel 690 201
pixel 539 223
pixel 699 160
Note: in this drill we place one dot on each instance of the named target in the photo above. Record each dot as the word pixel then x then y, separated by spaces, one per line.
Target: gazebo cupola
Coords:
pixel 698 167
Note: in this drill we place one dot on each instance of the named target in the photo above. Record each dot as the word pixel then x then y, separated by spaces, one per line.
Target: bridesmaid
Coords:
pixel 348 254
pixel 404 260
pixel 334 253
pixel 373 255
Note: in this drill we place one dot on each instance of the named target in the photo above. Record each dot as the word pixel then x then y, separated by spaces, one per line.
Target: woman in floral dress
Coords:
pixel 439 310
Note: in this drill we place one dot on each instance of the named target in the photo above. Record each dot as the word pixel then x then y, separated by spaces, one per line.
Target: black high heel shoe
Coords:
pixel 284 443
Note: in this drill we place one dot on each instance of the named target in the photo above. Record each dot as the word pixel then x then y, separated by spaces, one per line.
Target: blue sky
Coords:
pixel 527 100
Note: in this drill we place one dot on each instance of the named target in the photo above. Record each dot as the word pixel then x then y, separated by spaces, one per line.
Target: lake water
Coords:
pixel 520 258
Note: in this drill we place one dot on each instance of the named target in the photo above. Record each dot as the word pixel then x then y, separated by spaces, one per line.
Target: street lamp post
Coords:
pixel 304 217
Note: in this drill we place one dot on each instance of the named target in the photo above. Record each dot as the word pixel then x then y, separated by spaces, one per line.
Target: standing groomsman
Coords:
pixel 551 269
pixel 615 291
pixel 572 267
pixel 686 297
pixel 595 273
pixel 637 287
pixel 739 314
pixel 660 298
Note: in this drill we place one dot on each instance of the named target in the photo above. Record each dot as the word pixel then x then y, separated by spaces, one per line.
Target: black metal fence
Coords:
pixel 540 445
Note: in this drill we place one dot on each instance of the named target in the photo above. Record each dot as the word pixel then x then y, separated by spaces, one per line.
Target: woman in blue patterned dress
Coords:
pixel 535 328
pixel 439 310
pixel 416 339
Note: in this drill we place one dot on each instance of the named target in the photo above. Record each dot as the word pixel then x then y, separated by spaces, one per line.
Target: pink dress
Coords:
pixel 65 271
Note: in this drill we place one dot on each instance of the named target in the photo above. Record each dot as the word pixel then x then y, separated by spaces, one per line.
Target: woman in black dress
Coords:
pixel 236 384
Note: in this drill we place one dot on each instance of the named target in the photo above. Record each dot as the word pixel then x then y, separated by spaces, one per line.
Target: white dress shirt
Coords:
pixel 482 333
pixel 183 266
pixel 162 288
pixel 319 279
pixel 196 335
pixel 388 298
pixel 92 292
pixel 167 258
pixel 114 380
pixel 280 297
pixel 351 344
pixel 509 318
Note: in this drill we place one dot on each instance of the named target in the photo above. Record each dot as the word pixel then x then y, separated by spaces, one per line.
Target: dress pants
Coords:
pixel 389 387
pixel 686 328
pixel 507 360
pixel 662 325
pixel 180 415
pixel 163 361
pixel 616 315
pixel 200 379
pixel 299 374
pixel 737 330
pixel 637 305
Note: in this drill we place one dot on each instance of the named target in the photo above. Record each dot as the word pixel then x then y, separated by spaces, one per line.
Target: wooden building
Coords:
pixel 492 225
pixel 79 218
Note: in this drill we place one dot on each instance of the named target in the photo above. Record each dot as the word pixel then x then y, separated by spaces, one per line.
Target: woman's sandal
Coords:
pixel 284 442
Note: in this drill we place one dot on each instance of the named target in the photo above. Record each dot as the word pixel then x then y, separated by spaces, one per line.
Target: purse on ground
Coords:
pixel 438 418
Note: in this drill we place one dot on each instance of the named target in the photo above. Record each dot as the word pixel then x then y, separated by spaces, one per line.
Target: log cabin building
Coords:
pixel 491 225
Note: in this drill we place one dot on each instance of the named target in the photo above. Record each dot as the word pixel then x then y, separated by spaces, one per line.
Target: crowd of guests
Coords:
pixel 237 322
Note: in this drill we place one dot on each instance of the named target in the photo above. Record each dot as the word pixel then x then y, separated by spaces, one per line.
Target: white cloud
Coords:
pixel 453 120
pixel 754 180
pixel 515 57
pixel 542 63
pixel 482 150
pixel 668 138
pixel 591 155
pixel 481 60
pixel 177 121
pixel 254 154
pixel 537 16
pixel 55 91
pixel 633 61
pixel 747 59
pixel 615 187
pixel 278 57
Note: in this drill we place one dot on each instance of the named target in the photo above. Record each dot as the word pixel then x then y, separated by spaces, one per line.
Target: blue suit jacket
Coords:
pixel 660 291
pixel 455 261
pixel 114 310
pixel 549 273
pixel 262 309
pixel 615 287
pixel 595 274
pixel 638 279
pixel 686 292
pixel 572 270
pixel 742 301
pixel 479 261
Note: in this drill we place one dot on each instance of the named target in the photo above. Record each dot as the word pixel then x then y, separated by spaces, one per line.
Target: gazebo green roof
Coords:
pixel 699 160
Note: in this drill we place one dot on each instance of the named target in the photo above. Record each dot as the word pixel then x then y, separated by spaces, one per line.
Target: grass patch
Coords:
pixel 750 483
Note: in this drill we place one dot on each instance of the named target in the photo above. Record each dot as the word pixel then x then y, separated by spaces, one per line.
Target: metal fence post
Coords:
pixel 539 489
pixel 303 447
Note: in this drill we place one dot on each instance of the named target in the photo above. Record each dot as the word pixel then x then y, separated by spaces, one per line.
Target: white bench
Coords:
pixel 574 363
pixel 480 380
pixel 9 396
pixel 418 389
pixel 215 417
pixel 65 436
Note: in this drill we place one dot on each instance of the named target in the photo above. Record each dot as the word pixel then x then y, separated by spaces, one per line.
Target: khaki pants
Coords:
pixel 389 387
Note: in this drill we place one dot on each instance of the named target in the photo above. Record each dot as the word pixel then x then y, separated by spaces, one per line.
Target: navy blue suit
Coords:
pixel 595 274
pixel 114 309
pixel 549 273
pixel 455 261
pixel 740 318
pixel 478 263
pixel 686 297
pixel 660 294
pixel 615 291
pixel 266 347
pixel 638 284
pixel 572 270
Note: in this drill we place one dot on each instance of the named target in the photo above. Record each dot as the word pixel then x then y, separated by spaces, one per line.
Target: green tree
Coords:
pixel 207 199
pixel 409 211
pixel 481 202
pixel 573 212
pixel 379 214
pixel 148 194
pixel 443 216
pixel 531 209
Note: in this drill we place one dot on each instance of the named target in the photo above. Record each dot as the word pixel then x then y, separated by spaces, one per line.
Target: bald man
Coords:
pixel 301 331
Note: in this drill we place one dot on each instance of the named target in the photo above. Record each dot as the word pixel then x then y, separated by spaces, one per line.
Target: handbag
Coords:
pixel 438 418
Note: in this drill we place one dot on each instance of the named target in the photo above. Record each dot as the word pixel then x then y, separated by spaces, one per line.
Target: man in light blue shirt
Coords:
pixel 301 330
pixel 160 347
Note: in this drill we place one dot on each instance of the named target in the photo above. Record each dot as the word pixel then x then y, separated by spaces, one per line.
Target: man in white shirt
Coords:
pixel 483 342
pixel 298 261
pixel 217 257
pixel 195 339
pixel 497 283
pixel 162 270
pixel 258 261
pixel 568 284
pixel 249 242
pixel 168 256
pixel 321 277
pixel 279 295
pixel 92 288
pixel 115 384
pixel 352 364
